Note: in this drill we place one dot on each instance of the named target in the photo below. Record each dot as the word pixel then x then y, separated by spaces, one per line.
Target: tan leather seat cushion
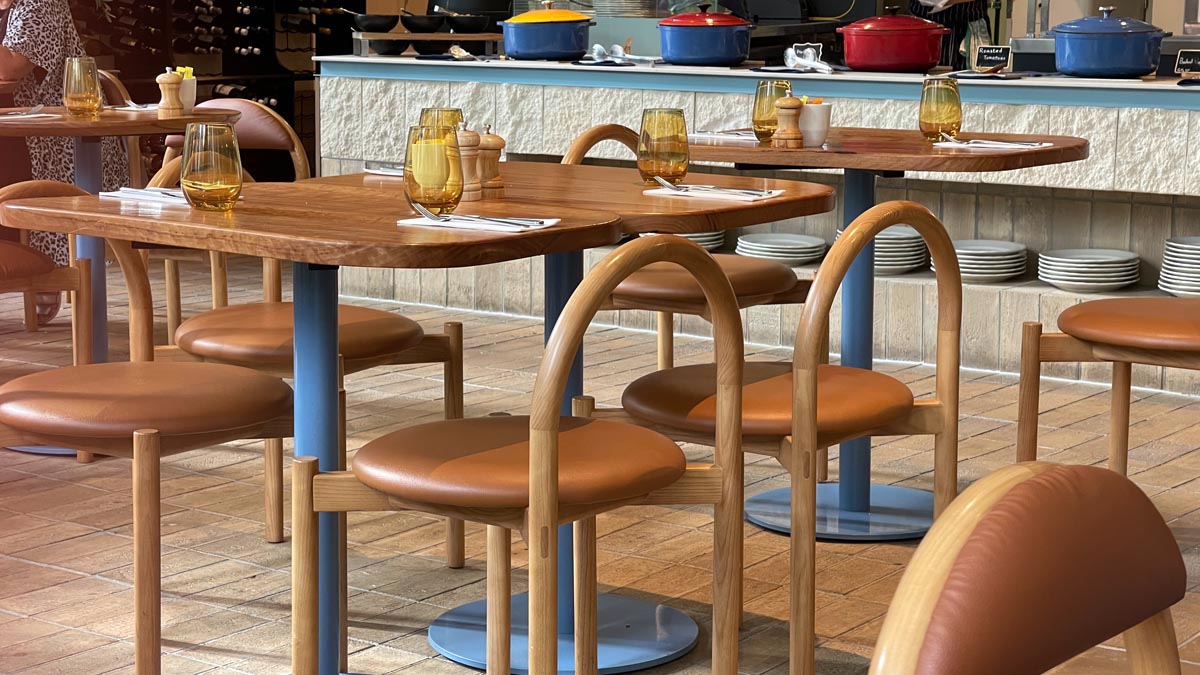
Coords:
pixel 1141 323
pixel 1062 562
pixel 848 399
pixel 112 400
pixel 20 262
pixel 670 282
pixel 484 462
pixel 261 334
pixel 256 129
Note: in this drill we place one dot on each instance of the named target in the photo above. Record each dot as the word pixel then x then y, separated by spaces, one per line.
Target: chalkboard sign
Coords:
pixel 992 58
pixel 1187 64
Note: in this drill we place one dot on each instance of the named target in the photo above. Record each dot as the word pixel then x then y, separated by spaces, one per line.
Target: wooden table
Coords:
pixel 853 509
pixel 323 224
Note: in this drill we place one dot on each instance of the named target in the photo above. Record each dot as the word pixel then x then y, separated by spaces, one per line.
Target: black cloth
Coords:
pixel 956 18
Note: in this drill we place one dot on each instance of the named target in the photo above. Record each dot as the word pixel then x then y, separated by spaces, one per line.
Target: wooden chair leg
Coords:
pixel 666 340
pixel 31 318
pixel 174 301
pixel 728 564
pixel 1152 646
pixel 1028 391
pixel 802 643
pixel 273 488
pixel 304 568
pixel 586 597
pixel 343 534
pixel 147 564
pixel 822 465
pixel 452 402
pixel 499 600
pixel 81 313
pixel 1118 430
pixel 218 264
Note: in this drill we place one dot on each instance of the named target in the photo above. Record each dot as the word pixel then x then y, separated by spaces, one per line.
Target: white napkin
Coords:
pixel 712 194
pixel 395 172
pixel 159 195
pixel 27 116
pixel 129 108
pixel 740 134
pixel 477 225
pixel 982 144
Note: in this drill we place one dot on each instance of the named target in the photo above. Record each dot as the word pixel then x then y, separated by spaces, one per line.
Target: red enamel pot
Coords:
pixel 894 43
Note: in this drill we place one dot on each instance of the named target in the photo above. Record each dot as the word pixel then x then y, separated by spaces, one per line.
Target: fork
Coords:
pixel 709 188
pixel 512 222
pixel 1016 144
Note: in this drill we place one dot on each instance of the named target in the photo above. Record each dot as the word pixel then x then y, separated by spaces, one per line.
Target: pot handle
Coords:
pixel 892 10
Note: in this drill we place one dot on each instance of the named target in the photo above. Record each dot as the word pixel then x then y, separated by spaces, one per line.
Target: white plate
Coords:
pixel 998 269
pixel 1179 279
pixel 1083 287
pixel 899 232
pixel 783 251
pixel 790 262
pixel 1058 276
pixel 1186 260
pixel 988 247
pixel 1007 260
pixel 1178 292
pixel 1184 243
pixel 1089 256
pixel 988 278
pixel 895 262
pixel 1179 271
pixel 891 271
pixel 777 256
pixel 781 240
pixel 1071 269
pixel 1180 285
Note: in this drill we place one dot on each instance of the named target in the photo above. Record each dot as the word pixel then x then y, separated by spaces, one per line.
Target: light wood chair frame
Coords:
pixel 1151 644
pixel 1038 347
pixel 133 149
pixel 720 484
pixel 804 452
pixel 665 311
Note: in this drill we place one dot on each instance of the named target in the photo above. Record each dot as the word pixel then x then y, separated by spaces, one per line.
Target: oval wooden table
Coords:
pixel 853 509
pixel 634 634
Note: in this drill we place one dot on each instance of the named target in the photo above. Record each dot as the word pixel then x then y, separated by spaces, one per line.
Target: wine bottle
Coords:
pixel 251 31
pixel 231 91
pixel 134 25
pixel 293 25
pixel 251 10
pixel 198 44
pixel 247 51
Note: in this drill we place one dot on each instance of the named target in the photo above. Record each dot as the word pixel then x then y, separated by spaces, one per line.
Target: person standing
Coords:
pixel 958 17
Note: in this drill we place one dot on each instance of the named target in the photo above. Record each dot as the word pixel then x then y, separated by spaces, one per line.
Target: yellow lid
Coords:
pixel 549 15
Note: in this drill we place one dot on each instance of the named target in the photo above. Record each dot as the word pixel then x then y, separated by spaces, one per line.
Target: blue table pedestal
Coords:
pixel 896 513
pixel 634 634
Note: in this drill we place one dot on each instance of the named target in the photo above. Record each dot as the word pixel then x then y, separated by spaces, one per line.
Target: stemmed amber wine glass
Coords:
pixel 433 168
pixel 81 87
pixel 663 146
pixel 211 175
pixel 763 116
pixel 941 108
pixel 441 117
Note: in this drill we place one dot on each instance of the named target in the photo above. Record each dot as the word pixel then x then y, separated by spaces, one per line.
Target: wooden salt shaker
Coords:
pixel 490 146
pixel 787 130
pixel 171 104
pixel 468 147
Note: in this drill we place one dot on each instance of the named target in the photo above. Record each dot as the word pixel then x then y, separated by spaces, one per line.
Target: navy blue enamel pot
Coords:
pixel 1107 46
pixel 704 39
pixel 546 34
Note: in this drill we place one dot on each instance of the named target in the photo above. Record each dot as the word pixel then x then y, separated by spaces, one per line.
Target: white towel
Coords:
pixel 160 196
pixel 128 108
pixel 982 144
pixel 477 225
pixel 28 116
pixel 712 194
pixel 395 172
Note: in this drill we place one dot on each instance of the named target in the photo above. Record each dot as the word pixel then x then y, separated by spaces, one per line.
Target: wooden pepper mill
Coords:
pixel 490 146
pixel 468 147
pixel 171 104
pixel 787 129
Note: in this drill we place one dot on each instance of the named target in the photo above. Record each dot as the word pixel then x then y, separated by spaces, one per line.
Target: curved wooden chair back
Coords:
pixel 545 411
pixel 116 94
pixel 168 175
pixel 592 137
pixel 258 128
pixel 1031 566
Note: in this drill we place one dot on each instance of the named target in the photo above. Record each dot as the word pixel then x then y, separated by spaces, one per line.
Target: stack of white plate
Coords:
pixel 789 249
pixel 898 250
pixel 1088 270
pixel 709 241
pixel 1181 267
pixel 986 261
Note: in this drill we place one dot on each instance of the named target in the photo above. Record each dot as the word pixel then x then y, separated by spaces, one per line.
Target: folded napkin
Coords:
pixel 478 225
pixel 736 134
pixel 981 144
pixel 712 194
pixel 128 108
pixel 394 171
pixel 28 116
pixel 159 195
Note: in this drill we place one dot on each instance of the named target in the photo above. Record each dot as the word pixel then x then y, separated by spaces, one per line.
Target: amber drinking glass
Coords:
pixel 941 108
pixel 763 116
pixel 433 168
pixel 663 146
pixel 441 117
pixel 211 175
pixel 81 87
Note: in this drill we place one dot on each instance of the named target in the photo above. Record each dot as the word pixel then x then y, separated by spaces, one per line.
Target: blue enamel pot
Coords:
pixel 704 39
pixel 546 34
pixel 1107 46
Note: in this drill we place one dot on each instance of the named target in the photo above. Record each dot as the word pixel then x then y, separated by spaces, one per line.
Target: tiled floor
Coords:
pixel 65 551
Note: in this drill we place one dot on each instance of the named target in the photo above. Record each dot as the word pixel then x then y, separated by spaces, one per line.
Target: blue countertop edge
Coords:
pixel 1037 91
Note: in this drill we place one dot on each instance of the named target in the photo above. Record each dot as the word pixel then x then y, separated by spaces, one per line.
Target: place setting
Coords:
pixel 789 249
pixel 1180 275
pixel 988 261
pixel 1089 270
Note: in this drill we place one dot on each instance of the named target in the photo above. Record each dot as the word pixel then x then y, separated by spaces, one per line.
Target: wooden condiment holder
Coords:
pixel 468 147
pixel 171 103
pixel 490 146
pixel 787 130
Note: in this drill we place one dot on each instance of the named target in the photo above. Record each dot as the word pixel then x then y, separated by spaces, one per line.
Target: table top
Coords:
pixel 893 150
pixel 621 190
pixel 108 123
pixel 322 224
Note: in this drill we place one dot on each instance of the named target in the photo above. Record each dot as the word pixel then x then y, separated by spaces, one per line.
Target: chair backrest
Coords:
pixel 1031 566
pixel 115 93
pixel 596 135
pixel 259 128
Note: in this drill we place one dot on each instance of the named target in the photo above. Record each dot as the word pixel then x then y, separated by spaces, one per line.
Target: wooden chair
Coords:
pixel 116 94
pixel 144 410
pixel 534 473
pixel 1122 331
pixel 794 411
pixel 668 290
pixel 1031 566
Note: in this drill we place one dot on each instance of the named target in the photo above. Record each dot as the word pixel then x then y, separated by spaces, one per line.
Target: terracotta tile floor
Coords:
pixel 65 551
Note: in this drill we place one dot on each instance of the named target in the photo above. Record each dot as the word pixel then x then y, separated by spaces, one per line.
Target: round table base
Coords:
pixel 42 450
pixel 634 635
pixel 897 513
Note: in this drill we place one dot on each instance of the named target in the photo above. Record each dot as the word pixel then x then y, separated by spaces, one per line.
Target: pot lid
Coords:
pixel 704 18
pixel 1105 23
pixel 548 15
pixel 893 21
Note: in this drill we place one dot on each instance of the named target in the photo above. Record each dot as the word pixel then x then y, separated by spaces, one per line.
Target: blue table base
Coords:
pixel 634 634
pixel 896 513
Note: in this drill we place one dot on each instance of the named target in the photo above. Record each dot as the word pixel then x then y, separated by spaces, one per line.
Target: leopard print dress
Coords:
pixel 44 32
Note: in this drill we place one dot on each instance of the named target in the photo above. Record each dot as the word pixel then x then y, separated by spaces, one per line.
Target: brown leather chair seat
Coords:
pixel 484 462
pixel 1171 324
pixel 667 282
pixel 18 261
pixel 112 400
pixel 261 334
pixel 849 400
